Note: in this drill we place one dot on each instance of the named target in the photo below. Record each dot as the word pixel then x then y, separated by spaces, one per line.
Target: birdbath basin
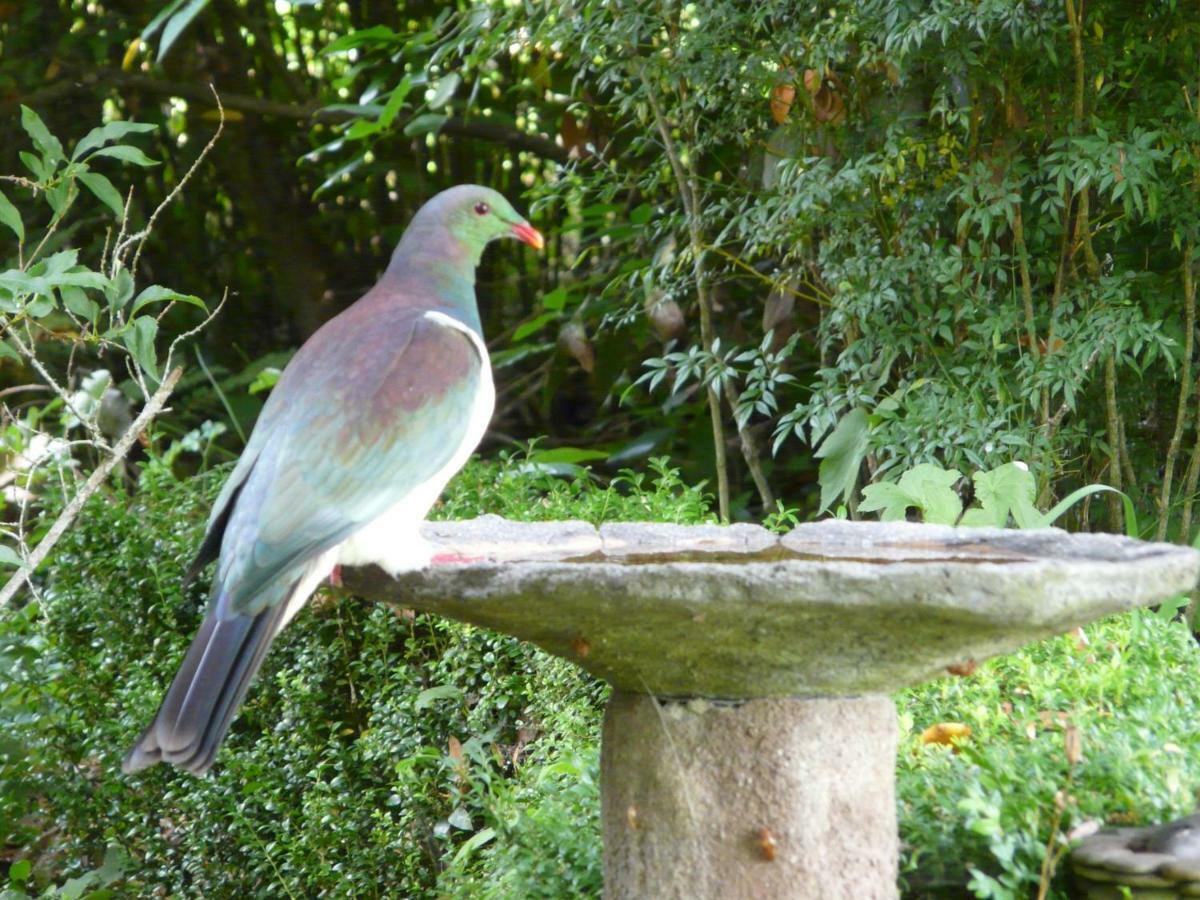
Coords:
pixel 748 749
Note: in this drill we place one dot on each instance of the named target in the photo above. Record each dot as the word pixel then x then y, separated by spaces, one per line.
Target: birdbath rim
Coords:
pixel 832 608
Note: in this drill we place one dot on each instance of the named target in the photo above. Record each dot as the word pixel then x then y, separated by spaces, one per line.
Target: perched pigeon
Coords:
pixel 368 422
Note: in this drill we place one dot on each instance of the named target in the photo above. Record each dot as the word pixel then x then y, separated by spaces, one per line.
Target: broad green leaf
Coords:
pixel 139 340
pixel 841 454
pixel 56 264
pixel 47 143
pixel 264 380
pixel 567 455
pixel 104 191
pixel 115 864
pixel 395 102
pixel 76 300
pixel 177 24
pixel 19 283
pixel 362 128
pixel 82 277
pixel 886 498
pixel 156 293
pixel 424 124
pixel 73 888
pixel 11 217
pixel 444 89
pixel 429 696
pixel 337 176
pixel 33 163
pixel 119 289
pixel 375 34
pixel 534 325
pixel 112 131
pixel 473 843
pixel 926 487
pixel 126 153
pixel 556 299
pixel 932 487
pixel 21 869
pixel 59 196
pixel 163 14
pixel 12 559
pixel 41 305
pixel 1007 489
pixel 642 214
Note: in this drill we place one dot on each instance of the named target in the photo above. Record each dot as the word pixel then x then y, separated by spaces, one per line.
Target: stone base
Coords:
pixel 783 798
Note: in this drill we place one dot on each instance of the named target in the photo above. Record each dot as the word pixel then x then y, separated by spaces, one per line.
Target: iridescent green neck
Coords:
pixel 431 268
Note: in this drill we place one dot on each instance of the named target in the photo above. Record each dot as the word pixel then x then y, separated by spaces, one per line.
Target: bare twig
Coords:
pixel 1113 425
pixel 1185 389
pixel 687 193
pixel 750 453
pixel 26 350
pixel 1018 227
pixel 175 191
pixel 99 474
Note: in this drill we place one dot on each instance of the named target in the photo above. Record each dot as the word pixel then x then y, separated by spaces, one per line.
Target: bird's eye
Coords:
pixel 482 208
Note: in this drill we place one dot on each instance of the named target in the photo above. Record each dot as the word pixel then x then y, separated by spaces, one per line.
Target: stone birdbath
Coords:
pixel 748 749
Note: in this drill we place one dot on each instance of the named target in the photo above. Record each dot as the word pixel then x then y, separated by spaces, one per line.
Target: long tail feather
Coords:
pixel 201 702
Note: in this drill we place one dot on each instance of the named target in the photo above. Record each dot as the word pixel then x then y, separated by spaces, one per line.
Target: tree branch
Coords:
pixel 687 193
pixel 310 112
pixel 72 509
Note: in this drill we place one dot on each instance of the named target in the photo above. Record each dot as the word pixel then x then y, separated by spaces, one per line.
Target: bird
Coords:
pixel 362 431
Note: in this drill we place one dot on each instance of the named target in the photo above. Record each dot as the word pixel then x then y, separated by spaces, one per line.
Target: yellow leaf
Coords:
pixel 946 733
pixel 131 53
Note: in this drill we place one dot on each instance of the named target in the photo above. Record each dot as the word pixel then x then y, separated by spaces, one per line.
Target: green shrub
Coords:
pixel 384 756
pixel 987 814
pixel 374 752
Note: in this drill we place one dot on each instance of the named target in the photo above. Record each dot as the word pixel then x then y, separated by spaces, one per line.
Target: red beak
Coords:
pixel 529 235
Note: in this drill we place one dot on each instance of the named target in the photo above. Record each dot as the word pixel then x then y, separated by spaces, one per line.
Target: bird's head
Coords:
pixel 478 215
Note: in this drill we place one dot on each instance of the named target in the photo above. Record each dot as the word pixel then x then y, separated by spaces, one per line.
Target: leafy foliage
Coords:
pixel 373 741
pixel 1084 728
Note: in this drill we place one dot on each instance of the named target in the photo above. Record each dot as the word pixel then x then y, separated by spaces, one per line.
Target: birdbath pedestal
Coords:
pixel 749 744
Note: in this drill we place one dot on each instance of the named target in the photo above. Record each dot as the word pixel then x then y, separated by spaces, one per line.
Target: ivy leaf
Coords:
pixel 139 340
pixel 841 454
pixel 104 191
pixel 126 153
pixel 11 217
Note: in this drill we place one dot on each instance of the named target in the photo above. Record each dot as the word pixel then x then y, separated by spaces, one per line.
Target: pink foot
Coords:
pixel 453 559
pixel 335 576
